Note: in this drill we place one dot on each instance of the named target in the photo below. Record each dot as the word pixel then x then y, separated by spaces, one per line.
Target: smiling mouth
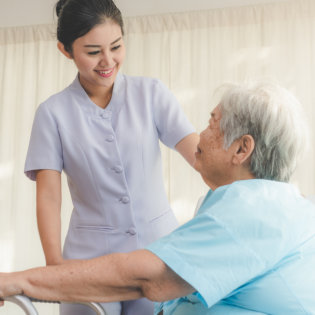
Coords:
pixel 105 73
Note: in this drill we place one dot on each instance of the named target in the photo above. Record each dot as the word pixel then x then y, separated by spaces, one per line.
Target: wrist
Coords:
pixel 10 284
pixel 54 261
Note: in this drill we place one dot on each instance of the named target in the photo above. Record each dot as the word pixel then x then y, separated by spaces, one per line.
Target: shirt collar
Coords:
pixel 89 106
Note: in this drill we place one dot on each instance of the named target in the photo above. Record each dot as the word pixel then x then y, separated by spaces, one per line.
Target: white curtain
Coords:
pixel 193 53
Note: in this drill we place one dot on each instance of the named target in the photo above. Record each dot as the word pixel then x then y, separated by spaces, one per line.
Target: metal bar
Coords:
pixel 26 304
pixel 96 307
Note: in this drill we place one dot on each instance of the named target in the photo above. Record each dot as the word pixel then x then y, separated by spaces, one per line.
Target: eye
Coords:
pixel 94 52
pixel 116 47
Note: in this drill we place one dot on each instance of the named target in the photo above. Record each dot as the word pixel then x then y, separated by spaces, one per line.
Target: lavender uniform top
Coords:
pixel 112 161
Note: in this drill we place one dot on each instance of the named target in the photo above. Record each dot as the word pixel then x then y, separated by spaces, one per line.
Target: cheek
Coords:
pixel 213 145
pixel 216 140
pixel 121 56
pixel 83 62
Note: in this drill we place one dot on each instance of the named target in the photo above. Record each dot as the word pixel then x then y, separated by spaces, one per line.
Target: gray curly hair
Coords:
pixel 274 118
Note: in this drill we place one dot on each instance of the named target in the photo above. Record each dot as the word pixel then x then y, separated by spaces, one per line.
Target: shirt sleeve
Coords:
pixel 208 257
pixel 45 150
pixel 170 119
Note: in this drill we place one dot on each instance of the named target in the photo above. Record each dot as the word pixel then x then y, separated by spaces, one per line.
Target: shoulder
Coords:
pixel 260 187
pixel 144 82
pixel 56 103
pixel 56 98
pixel 251 199
pixel 261 203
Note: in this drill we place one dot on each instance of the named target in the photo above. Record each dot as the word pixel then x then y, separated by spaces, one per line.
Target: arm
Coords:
pixel 48 206
pixel 114 277
pixel 187 147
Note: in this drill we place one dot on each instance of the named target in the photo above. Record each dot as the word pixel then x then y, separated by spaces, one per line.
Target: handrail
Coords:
pixel 26 304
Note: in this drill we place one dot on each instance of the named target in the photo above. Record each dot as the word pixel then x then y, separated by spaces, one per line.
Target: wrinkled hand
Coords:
pixel 8 286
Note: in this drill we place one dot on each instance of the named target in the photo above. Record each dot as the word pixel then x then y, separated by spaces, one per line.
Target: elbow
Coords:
pixel 159 291
pixel 152 291
pixel 165 288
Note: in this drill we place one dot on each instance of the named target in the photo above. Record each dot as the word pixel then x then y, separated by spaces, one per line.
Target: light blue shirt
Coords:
pixel 249 250
pixel 112 160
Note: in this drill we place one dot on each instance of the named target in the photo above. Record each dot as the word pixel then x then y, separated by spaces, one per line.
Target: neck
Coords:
pixel 228 180
pixel 100 95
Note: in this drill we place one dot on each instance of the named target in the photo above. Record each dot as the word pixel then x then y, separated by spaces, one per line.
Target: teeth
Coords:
pixel 105 72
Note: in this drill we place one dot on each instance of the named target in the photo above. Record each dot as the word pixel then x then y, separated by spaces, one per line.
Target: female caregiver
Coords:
pixel 103 130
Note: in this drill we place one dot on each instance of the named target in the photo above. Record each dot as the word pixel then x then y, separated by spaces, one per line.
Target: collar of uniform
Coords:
pixel 90 107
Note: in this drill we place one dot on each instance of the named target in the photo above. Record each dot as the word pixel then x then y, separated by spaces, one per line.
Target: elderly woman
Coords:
pixel 249 250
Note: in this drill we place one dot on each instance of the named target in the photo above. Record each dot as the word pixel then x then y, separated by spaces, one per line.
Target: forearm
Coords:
pixel 48 207
pixel 187 147
pixel 115 277
pixel 49 228
pixel 95 280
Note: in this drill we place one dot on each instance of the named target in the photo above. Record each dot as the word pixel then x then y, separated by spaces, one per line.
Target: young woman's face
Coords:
pixel 99 55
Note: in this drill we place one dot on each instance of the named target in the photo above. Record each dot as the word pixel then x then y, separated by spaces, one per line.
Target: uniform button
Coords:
pixel 105 115
pixel 132 231
pixel 110 138
pixel 124 199
pixel 118 169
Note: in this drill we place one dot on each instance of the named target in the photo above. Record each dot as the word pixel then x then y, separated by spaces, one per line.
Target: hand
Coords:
pixel 8 286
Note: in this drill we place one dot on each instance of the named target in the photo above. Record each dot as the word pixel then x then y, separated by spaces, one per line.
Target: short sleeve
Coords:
pixel 170 119
pixel 206 255
pixel 44 151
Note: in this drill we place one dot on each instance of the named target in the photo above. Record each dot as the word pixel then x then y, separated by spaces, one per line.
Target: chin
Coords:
pixel 196 166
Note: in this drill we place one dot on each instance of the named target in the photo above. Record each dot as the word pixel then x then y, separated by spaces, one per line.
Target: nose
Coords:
pixel 106 59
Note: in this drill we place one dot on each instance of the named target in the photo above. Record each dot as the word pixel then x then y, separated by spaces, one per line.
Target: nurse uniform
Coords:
pixel 250 250
pixel 112 160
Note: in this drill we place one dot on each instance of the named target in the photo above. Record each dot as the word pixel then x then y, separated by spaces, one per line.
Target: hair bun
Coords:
pixel 59 6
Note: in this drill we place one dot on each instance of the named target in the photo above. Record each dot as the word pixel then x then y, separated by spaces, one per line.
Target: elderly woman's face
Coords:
pixel 212 160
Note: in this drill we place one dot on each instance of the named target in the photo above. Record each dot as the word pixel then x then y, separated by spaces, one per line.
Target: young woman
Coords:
pixel 103 130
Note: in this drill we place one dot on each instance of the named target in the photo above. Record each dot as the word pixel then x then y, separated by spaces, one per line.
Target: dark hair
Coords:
pixel 78 17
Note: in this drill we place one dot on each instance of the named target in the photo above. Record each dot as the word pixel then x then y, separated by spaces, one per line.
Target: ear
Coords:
pixel 243 150
pixel 61 47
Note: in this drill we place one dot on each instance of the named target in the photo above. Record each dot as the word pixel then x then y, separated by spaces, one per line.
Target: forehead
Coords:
pixel 103 33
pixel 216 113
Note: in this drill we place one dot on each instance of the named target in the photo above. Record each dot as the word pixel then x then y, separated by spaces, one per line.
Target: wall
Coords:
pixel 32 12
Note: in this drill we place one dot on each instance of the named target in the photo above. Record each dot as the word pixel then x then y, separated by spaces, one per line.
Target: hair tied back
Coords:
pixel 60 4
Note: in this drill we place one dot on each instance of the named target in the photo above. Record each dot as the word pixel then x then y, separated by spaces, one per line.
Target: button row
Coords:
pixel 117 169
pixel 131 231
pixel 106 115
pixel 124 199
pixel 110 138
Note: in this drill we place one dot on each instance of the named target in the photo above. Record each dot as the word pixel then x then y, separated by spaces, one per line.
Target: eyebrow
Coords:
pixel 97 46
